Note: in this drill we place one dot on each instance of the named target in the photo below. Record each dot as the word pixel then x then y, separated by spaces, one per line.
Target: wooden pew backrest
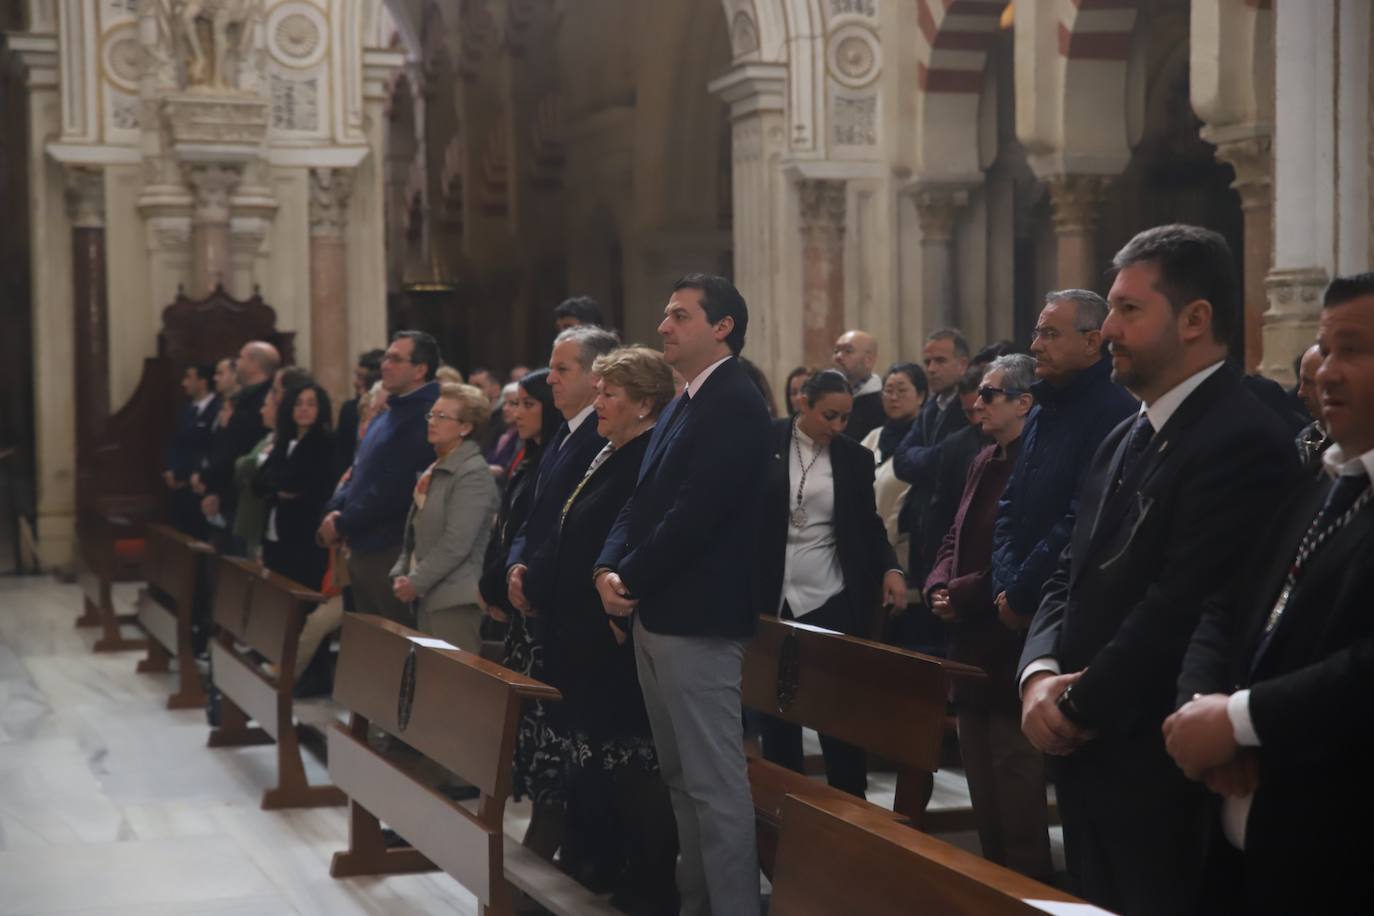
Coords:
pixel 411 692
pixel 887 700
pixel 837 857
pixel 267 619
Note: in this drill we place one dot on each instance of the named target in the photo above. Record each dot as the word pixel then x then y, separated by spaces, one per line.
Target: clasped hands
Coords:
pixel 1043 722
pixel 1202 741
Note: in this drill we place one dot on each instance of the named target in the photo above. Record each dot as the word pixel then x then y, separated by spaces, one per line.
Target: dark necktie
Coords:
pixel 1136 443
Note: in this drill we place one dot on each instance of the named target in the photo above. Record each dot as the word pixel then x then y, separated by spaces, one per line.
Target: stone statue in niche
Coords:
pixel 212 37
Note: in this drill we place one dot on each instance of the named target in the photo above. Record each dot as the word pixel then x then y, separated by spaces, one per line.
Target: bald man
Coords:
pixel 1312 439
pixel 856 352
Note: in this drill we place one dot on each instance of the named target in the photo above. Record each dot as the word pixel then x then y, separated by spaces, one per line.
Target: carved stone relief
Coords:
pixel 297 35
pixel 329 193
pixel 866 8
pixel 854 120
pixel 214 40
pixel 854 56
pixel 295 102
pixel 85 196
pixel 212 186
pixel 744 34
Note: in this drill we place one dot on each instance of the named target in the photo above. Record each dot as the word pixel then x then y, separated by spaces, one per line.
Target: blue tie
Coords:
pixel 1136 444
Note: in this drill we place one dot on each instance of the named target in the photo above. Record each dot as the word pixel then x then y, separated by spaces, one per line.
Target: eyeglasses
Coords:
pixel 393 358
pixel 987 393
pixel 1049 335
pixel 435 415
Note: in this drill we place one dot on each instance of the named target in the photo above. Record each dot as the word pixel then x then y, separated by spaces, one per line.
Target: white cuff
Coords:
pixel 1238 711
pixel 1044 663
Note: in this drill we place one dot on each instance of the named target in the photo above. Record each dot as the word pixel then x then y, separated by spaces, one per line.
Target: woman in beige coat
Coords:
pixel 449 523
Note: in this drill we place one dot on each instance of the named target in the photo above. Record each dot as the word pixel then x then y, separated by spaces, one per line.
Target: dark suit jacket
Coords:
pixel 596 674
pixel 560 470
pixel 866 416
pixel 191 439
pixel 1123 604
pixel 234 440
pixel 860 536
pixel 1310 689
pixel 1130 587
pixel 516 496
pixel 685 544
pixel 345 437
pixel 305 472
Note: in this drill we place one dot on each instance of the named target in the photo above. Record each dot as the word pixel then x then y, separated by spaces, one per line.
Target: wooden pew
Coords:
pixel 458 710
pixel 886 700
pixel 108 550
pixel 174 564
pixel 838 857
pixel 264 612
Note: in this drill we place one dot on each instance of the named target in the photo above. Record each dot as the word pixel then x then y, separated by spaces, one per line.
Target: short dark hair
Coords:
pixel 425 349
pixel 583 309
pixel 913 372
pixel 371 360
pixel 1342 289
pixel 992 351
pixel 826 381
pixel 204 371
pixel 954 335
pixel 720 300
pixel 1194 263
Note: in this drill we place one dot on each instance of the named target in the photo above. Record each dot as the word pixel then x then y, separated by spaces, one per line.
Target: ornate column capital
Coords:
pixel 937 210
pixel 85 196
pixel 1295 292
pixel 1252 160
pixel 752 88
pixel 212 185
pixel 329 193
pixel 1076 201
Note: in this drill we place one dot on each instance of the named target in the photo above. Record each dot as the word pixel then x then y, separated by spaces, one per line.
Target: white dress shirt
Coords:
pixel 1160 411
pixel 871 385
pixel 811 573
pixel 695 384
pixel 574 423
pixel 203 403
pixel 1235 811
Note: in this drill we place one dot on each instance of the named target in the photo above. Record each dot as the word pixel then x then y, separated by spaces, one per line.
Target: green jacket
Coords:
pixel 250 518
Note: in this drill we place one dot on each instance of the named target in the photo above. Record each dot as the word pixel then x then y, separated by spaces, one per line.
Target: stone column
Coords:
pixel 755 93
pixel 822 231
pixel 1252 162
pixel 90 306
pixel 1305 180
pixel 211 256
pixel 937 210
pixel 1076 201
pixel 329 351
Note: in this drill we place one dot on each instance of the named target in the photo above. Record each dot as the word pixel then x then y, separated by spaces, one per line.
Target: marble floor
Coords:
pixel 112 804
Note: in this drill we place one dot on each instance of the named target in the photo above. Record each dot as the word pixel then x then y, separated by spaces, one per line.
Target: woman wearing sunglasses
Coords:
pixel 1006 776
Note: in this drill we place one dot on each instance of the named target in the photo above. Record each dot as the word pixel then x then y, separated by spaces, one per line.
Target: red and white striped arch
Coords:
pixel 956 37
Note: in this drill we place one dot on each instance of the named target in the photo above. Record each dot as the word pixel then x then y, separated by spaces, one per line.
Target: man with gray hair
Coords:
pixel 1076 406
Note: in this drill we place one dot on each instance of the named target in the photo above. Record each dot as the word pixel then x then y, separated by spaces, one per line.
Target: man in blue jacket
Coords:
pixel 680 559
pixel 369 511
pixel 1077 404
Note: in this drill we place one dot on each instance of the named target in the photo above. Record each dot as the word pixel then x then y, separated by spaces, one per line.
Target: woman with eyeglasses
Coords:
pixel 449 523
pixel 824 557
pixel 904 394
pixel 1006 775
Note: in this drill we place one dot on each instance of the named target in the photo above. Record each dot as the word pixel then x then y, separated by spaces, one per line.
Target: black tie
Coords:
pixel 1136 444
pixel 1344 492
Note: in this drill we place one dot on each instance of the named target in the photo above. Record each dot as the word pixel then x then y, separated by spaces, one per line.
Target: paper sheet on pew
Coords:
pixel 430 643
pixel 1062 908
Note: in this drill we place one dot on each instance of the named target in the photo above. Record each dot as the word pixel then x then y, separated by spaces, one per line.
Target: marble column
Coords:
pixel 822 230
pixel 1075 202
pixel 758 140
pixel 211 255
pixel 329 351
pixel 937 210
pixel 1305 181
pixel 1252 162
pixel 85 195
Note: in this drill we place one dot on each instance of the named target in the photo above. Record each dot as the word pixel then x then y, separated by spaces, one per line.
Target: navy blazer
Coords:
pixel 190 444
pixel 686 543
pixel 560 471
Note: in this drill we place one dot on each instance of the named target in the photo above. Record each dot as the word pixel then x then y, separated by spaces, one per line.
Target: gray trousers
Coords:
pixel 692 691
pixel 370 577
